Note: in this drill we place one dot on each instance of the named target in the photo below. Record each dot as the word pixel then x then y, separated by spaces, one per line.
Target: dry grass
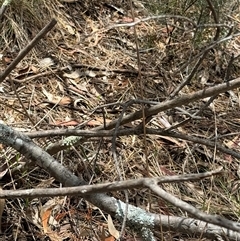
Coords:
pixel 81 38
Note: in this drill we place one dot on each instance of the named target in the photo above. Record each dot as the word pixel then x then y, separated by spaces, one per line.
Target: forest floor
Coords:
pixel 77 76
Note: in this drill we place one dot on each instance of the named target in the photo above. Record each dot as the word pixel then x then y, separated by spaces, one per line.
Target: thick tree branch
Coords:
pixel 137 218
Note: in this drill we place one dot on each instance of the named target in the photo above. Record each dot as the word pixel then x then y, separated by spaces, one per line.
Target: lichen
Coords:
pixel 71 140
pixel 135 216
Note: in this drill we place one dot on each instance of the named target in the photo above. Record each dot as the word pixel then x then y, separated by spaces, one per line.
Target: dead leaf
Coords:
pixel 34 69
pixel 234 143
pixel 94 123
pixel 90 73
pixel 111 238
pixel 73 75
pixel 101 234
pixel 111 228
pixel 70 29
pixel 54 236
pixel 127 20
pixel 46 62
pixel 45 217
pixel 166 171
pixel 46 212
pixel 7 60
pixel 65 100
pixel 97 121
pixel 65 123
pixel 33 214
pixel 67 26
pixel 173 140
pixel 82 87
pixel 46 183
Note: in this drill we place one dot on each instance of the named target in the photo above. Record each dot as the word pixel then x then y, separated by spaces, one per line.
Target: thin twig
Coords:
pixel 153 110
pixel 229 68
pixel 4 7
pixel 138 21
pixel 85 190
pixel 133 131
pixel 209 47
pixel 194 115
pixel 140 81
pixel 190 76
pixel 117 166
pixel 214 219
pixel 198 140
pixel 216 19
pixel 32 77
pixel 18 97
pixel 25 51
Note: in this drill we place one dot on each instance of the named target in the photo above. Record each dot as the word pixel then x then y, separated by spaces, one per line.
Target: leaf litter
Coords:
pixel 57 93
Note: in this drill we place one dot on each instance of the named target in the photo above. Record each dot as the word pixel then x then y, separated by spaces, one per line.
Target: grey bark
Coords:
pixel 138 219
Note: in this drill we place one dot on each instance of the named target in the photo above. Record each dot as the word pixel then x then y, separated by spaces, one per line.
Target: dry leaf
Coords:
pixel 45 217
pixel 97 122
pixel 46 214
pixel 80 87
pixel 74 75
pixel 127 20
pixel 26 71
pixel 111 238
pixel 173 140
pixel 111 228
pixel 90 73
pixel 70 29
pixel 66 123
pixel 94 123
pixel 3 171
pixel 7 60
pixel 101 234
pixel 234 143
pixel 34 215
pixel 34 69
pixel 65 100
pixel 46 62
pixel 54 236
pixel 166 171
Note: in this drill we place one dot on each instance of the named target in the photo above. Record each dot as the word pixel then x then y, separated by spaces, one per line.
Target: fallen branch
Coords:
pixel 131 131
pixel 25 51
pixel 85 190
pixel 153 110
pixel 137 218
pixel 214 219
